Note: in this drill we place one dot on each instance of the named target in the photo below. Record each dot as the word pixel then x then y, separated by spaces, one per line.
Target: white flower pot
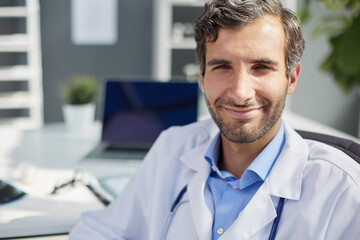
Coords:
pixel 79 118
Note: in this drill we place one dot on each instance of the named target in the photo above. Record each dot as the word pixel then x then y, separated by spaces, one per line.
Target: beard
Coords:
pixel 243 131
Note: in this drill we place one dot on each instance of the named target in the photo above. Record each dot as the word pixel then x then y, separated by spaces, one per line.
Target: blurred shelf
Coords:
pixel 188 3
pixel 14 43
pixel 14 73
pixel 16 100
pixel 12 103
pixel 13 11
pixel 184 44
pixel 168 37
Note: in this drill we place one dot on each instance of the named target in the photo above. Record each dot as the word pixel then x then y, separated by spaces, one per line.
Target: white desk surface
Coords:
pixel 56 237
pixel 37 160
pixel 54 146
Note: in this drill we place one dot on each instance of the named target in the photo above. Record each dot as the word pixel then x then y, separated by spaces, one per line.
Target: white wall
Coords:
pixel 291 4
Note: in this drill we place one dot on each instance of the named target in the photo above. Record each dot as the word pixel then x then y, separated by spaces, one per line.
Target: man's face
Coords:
pixel 245 83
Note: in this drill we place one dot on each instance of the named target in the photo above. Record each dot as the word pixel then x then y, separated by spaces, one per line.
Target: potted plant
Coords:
pixel 342 26
pixel 79 93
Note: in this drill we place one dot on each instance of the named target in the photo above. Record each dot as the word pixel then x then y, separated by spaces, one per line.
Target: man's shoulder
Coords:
pixel 331 157
pixel 325 158
pixel 327 182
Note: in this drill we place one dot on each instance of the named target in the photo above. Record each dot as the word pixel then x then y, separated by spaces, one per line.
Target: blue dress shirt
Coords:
pixel 231 195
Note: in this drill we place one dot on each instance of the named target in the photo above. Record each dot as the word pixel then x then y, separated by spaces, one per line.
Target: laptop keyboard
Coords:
pixel 125 153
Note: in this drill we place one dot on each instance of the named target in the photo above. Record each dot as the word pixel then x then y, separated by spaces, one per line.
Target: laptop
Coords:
pixel 136 111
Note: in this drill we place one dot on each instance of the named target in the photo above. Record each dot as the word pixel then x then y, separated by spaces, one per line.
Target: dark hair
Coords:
pixel 236 14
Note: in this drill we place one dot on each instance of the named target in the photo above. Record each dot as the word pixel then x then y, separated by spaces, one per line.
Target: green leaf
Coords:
pixel 347 49
pixel 333 5
pixel 342 26
pixel 79 89
pixel 304 13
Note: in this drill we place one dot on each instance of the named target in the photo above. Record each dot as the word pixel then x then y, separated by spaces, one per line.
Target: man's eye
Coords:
pixel 260 67
pixel 222 67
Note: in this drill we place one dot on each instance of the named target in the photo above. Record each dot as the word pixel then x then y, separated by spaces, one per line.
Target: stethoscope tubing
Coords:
pixel 170 218
pixel 277 219
pixel 173 210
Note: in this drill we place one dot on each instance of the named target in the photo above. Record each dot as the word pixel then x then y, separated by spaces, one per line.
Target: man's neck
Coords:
pixel 236 157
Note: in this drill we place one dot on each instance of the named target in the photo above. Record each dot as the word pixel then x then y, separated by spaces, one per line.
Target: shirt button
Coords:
pixel 220 230
pixel 235 187
pixel 213 168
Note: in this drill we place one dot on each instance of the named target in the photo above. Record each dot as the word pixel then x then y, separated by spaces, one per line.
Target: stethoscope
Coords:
pixel 177 204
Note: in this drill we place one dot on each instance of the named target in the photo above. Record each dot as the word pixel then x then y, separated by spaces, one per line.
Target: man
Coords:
pixel 230 180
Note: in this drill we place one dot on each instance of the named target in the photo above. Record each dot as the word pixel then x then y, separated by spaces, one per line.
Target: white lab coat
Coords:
pixel 320 184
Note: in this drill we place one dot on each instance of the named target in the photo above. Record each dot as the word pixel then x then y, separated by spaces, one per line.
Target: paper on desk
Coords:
pixel 45 215
pixel 39 213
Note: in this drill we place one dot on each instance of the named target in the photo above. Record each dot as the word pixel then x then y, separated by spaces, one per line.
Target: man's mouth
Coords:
pixel 242 112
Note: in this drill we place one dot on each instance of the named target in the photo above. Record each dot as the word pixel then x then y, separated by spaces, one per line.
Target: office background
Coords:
pixel 317 97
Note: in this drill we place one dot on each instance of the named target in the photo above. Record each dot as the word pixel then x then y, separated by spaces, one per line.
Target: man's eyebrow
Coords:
pixel 216 61
pixel 265 61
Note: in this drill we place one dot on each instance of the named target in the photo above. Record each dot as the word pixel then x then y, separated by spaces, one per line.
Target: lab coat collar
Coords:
pixel 285 179
pixel 191 158
pixel 202 215
pixel 259 212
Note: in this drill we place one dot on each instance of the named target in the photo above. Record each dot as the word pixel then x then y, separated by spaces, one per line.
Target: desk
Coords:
pixel 56 237
pixel 52 153
pixel 54 146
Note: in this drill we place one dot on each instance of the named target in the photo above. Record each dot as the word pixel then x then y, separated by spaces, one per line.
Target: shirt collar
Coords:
pixel 213 152
pixel 262 164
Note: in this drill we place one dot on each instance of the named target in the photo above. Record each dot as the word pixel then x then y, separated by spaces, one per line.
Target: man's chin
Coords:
pixel 243 134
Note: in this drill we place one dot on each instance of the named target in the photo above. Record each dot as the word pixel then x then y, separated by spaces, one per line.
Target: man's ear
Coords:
pixel 202 83
pixel 293 78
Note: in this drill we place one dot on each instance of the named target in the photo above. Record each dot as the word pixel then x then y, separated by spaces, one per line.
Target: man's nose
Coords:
pixel 241 89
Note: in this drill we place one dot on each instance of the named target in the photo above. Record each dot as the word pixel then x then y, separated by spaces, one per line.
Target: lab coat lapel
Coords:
pixel 259 212
pixel 284 180
pixel 201 214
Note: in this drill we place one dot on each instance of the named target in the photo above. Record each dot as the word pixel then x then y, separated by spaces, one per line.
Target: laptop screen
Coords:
pixel 135 112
